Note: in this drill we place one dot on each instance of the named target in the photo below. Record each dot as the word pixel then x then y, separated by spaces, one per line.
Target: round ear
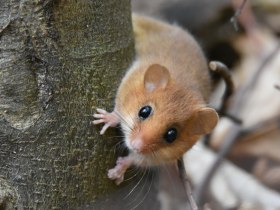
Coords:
pixel 203 121
pixel 156 77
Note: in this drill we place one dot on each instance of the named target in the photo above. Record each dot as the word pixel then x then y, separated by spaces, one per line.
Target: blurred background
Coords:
pixel 244 35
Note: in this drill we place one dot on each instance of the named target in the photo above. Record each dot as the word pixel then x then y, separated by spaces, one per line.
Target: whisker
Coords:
pixel 157 172
pixel 118 145
pixel 130 118
pixel 113 137
pixel 135 197
pixel 149 189
pixel 133 169
pixel 124 120
pixel 133 176
pixel 140 191
pixel 135 186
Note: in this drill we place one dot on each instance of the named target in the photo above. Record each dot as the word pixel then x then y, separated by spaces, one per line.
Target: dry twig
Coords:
pixel 187 186
pixel 232 186
pixel 228 142
pixel 237 14
pixel 223 71
pixel 242 94
pixel 260 129
pixel 236 129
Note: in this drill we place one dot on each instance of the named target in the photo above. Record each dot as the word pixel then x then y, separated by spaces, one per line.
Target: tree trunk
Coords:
pixel 59 60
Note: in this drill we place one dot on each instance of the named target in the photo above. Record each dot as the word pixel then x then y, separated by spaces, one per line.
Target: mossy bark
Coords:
pixel 59 60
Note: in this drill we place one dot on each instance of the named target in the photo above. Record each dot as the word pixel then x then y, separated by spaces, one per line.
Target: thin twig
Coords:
pixel 237 13
pixel 236 132
pixel 242 94
pixel 223 71
pixel 260 129
pixel 187 186
pixel 236 129
pixel 231 117
pixel 228 142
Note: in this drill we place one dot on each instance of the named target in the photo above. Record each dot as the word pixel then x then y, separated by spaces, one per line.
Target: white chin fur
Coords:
pixel 127 143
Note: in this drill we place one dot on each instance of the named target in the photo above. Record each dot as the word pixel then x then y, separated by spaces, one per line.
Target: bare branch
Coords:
pixel 228 142
pixel 241 95
pixel 187 186
pixel 228 188
pixel 223 71
pixel 234 132
pixel 260 129
pixel 237 13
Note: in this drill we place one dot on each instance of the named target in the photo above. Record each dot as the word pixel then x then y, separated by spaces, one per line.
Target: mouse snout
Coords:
pixel 137 145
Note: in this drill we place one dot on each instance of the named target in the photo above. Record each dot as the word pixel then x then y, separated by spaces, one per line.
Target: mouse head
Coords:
pixel 167 119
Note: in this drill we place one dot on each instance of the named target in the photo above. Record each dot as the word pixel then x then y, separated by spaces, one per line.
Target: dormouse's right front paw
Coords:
pixel 109 119
pixel 117 173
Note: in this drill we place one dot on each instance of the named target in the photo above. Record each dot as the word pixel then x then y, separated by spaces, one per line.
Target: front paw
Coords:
pixel 117 173
pixel 109 119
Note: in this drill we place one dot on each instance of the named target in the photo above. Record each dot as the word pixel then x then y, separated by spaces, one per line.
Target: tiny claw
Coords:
pixel 114 174
pixel 101 111
pixel 95 122
pixel 109 119
pixel 98 115
pixel 117 173
pixel 104 128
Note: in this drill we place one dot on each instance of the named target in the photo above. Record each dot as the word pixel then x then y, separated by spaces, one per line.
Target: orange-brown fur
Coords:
pixel 187 91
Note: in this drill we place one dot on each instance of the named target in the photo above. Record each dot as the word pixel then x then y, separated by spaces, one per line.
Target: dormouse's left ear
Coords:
pixel 156 77
pixel 203 121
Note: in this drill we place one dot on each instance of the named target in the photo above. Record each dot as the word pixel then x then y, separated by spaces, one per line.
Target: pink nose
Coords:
pixel 137 145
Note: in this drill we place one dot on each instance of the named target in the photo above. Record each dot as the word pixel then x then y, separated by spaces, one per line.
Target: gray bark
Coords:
pixel 59 60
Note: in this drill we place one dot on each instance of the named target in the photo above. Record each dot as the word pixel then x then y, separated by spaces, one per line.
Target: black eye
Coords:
pixel 170 135
pixel 145 112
